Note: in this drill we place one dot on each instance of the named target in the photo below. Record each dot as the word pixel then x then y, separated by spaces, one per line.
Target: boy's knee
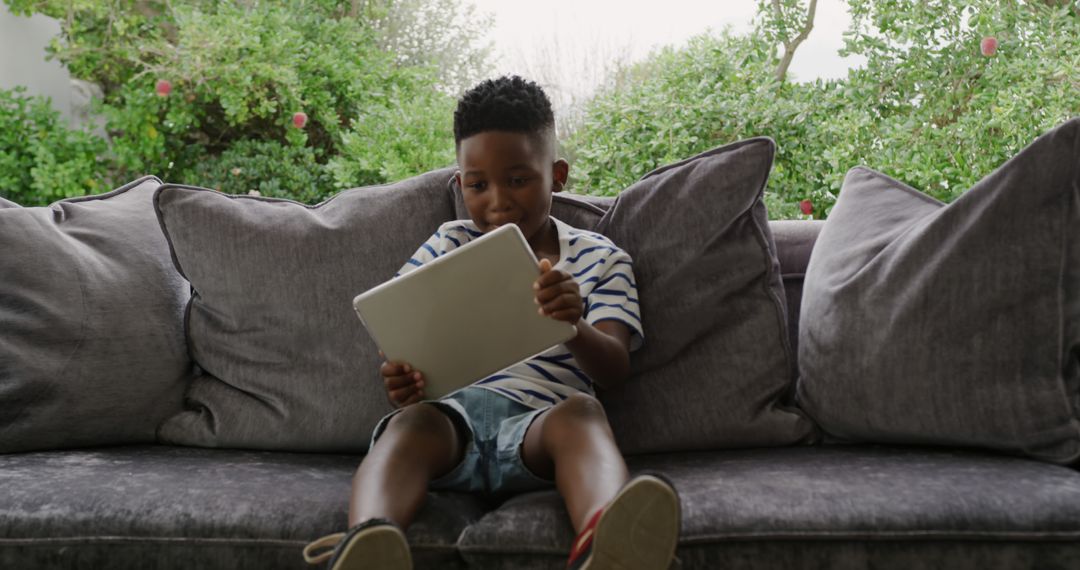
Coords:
pixel 423 420
pixel 578 408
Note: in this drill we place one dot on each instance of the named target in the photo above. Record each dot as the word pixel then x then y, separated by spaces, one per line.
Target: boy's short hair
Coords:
pixel 508 103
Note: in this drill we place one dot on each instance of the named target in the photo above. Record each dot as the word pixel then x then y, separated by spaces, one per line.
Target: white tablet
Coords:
pixel 465 315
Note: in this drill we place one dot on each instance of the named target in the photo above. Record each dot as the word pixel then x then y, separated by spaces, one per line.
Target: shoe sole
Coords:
pixel 383 547
pixel 639 530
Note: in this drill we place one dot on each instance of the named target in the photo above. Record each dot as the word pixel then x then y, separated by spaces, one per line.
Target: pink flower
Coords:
pixel 163 88
pixel 807 207
pixel 299 119
pixel 989 46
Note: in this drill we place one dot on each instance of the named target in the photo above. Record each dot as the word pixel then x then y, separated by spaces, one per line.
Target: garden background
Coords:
pixel 303 98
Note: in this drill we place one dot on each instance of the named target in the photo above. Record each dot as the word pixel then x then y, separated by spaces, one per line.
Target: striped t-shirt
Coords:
pixel 606 279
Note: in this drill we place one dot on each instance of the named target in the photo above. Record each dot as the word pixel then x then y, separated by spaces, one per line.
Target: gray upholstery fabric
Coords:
pixel 839 555
pixel 957 325
pixel 92 348
pixel 794 241
pixel 170 507
pixel 716 364
pixel 827 507
pixel 287 363
pixel 5 203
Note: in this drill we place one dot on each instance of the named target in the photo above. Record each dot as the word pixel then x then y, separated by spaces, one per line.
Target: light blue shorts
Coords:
pixel 493 428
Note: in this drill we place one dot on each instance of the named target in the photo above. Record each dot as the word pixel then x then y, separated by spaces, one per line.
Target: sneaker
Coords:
pixel 376 544
pixel 637 530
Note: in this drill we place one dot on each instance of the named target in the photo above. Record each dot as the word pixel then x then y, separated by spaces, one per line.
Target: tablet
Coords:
pixel 465 315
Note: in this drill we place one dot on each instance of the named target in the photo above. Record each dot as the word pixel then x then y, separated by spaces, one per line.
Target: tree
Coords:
pixel 296 98
pixel 448 35
pixel 944 112
pixel 932 106
pixel 788 23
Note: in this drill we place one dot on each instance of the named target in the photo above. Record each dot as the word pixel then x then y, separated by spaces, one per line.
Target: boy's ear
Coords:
pixel 560 172
pixel 457 179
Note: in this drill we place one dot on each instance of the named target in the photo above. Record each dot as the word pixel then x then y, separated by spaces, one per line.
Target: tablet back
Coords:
pixel 464 315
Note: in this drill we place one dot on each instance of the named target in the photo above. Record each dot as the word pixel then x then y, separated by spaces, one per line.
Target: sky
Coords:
pixel 568 45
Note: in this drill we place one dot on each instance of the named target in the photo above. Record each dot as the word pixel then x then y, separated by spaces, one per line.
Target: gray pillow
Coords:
pixel 716 366
pixel 286 362
pixel 5 203
pixel 951 324
pixel 92 348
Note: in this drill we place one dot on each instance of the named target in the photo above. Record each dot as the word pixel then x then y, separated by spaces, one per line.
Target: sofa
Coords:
pixel 210 450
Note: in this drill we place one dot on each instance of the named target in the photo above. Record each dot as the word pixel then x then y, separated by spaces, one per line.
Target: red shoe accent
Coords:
pixel 583 543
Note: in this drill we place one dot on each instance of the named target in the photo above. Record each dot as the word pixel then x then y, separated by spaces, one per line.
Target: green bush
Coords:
pixel 41 159
pixel 718 89
pixel 927 108
pixel 267 167
pixel 243 73
pixel 187 81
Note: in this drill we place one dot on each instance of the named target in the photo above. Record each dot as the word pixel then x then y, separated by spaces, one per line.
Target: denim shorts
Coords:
pixel 493 429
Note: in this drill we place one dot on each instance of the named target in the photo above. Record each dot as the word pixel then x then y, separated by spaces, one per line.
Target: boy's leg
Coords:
pixel 572 443
pixel 420 443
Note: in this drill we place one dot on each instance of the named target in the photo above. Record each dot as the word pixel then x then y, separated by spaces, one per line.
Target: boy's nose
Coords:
pixel 499 198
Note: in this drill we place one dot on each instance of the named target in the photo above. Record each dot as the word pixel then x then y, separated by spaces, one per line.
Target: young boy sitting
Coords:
pixel 535 424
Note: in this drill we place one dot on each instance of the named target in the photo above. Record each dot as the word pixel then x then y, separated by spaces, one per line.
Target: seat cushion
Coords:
pixel 828 507
pixel 172 507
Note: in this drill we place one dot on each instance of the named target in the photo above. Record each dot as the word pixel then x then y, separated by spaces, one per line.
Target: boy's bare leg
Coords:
pixel 419 444
pixel 573 443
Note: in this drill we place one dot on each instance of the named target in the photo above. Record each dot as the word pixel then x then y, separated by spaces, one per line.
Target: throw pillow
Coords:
pixel 951 324
pixel 286 364
pixel 716 369
pixel 92 348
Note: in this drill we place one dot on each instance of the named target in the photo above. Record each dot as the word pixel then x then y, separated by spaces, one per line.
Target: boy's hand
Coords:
pixel 558 294
pixel 404 385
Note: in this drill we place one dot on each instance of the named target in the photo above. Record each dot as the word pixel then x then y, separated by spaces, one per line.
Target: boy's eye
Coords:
pixel 518 180
pixel 477 185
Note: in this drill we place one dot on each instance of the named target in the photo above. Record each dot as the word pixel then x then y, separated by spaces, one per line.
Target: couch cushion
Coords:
pixel 716 368
pixel 827 507
pixel 952 324
pixel 714 199
pixel 5 203
pixel 92 349
pixel 287 363
pixel 795 240
pixel 171 507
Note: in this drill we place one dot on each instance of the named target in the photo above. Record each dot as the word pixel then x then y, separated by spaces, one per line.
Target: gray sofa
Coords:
pixel 817 503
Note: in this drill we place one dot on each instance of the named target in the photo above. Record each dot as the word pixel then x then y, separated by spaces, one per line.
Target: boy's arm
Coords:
pixel 602 349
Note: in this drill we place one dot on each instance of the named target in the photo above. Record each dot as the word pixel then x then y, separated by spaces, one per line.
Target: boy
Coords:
pixel 535 424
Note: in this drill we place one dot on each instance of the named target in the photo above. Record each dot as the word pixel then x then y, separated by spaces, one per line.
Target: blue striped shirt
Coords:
pixel 605 276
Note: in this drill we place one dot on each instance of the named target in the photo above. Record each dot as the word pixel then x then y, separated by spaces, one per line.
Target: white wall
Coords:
pixel 22 59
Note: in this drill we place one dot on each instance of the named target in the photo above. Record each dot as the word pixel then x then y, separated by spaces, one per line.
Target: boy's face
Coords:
pixel 508 178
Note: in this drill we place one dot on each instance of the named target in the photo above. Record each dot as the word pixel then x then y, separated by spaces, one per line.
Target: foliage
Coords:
pixel 406 136
pixel 266 167
pixel 928 108
pixel 718 89
pixel 186 81
pixel 41 159
pixel 943 114
pixel 447 35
